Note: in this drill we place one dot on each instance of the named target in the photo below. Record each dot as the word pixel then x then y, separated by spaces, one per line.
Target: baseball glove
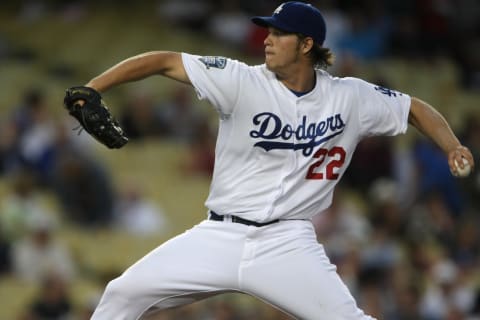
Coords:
pixel 94 116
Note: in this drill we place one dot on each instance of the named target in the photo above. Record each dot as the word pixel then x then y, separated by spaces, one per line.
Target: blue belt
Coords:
pixel 217 217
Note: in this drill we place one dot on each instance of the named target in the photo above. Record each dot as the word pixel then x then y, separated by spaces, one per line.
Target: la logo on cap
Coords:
pixel 280 7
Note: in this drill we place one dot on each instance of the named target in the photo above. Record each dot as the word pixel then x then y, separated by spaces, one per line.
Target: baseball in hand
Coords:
pixel 466 168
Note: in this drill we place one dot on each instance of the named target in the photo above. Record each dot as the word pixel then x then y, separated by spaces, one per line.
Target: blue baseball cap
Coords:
pixel 296 17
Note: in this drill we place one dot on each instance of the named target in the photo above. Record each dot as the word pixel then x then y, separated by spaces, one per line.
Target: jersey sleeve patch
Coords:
pixel 214 62
pixel 388 92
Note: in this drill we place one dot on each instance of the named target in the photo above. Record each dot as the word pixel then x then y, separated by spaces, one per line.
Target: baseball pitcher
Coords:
pixel 287 132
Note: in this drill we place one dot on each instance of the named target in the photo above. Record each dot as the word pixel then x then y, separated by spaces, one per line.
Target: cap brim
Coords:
pixel 266 22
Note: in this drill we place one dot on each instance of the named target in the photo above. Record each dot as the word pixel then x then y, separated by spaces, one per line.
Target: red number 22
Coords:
pixel 322 154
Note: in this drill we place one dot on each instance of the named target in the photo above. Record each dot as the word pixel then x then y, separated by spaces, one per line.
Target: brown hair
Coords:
pixel 321 57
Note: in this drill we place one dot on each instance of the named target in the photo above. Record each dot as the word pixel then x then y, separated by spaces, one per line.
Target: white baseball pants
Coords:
pixel 281 264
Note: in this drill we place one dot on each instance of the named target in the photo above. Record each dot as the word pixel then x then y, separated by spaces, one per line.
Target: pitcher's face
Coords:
pixel 281 49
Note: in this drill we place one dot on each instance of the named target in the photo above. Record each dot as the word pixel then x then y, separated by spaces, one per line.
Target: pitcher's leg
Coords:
pixel 292 272
pixel 198 263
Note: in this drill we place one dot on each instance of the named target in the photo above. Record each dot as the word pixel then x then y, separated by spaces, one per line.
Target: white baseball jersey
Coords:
pixel 279 156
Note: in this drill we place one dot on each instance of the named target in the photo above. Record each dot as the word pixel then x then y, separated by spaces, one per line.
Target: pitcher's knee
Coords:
pixel 122 299
pixel 122 288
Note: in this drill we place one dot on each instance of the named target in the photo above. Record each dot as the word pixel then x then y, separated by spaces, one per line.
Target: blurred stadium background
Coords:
pixel 403 233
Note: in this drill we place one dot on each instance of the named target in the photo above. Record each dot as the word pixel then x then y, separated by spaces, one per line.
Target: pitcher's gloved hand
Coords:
pixel 94 116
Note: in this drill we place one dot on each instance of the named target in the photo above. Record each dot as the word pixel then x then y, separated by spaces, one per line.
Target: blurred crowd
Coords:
pixel 402 230
pixel 361 30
